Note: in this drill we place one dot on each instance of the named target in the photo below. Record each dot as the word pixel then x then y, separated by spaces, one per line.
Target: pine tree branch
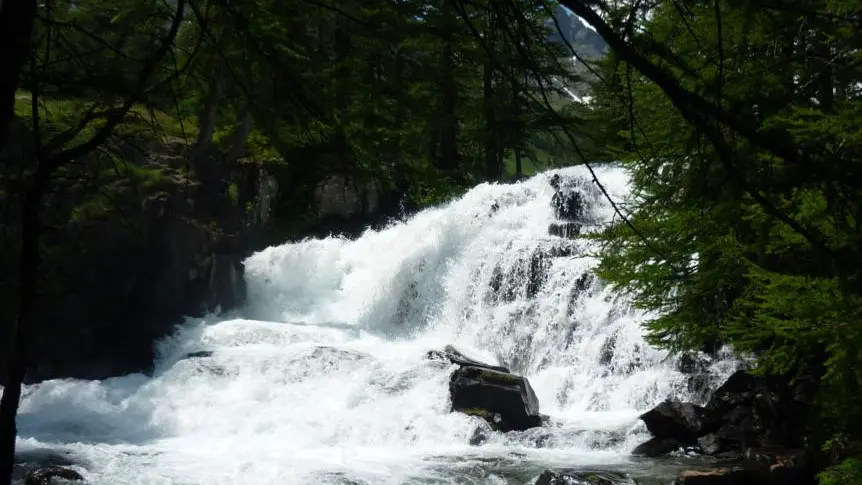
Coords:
pixel 703 114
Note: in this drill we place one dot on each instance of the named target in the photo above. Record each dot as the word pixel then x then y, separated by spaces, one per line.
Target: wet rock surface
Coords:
pixel 580 477
pixel 51 475
pixel 505 401
pixel 568 203
pixel 44 467
pixel 745 412
pixel 755 423
pixel 564 229
pixel 676 420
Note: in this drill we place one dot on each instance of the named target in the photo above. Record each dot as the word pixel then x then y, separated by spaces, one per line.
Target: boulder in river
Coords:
pixel 681 421
pixel 50 475
pixel 44 466
pixel 506 401
pixel 581 477
pixel 745 412
pixel 658 447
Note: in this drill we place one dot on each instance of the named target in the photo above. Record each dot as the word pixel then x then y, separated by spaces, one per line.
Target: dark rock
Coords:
pixel 568 204
pixel 31 460
pixel 710 444
pixel 690 364
pixel 199 354
pixel 122 277
pixel 567 230
pixel 699 384
pixel 506 401
pixel 43 458
pixel 658 447
pixel 454 356
pixel 537 273
pixel 745 412
pixel 608 347
pixel 480 436
pixel 561 251
pixel 673 419
pixel 739 388
pixel 347 204
pixel 51 474
pixel 582 477
pixel 583 282
pixel 527 277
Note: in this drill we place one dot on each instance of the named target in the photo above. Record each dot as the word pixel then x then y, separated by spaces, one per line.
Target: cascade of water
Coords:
pixel 321 378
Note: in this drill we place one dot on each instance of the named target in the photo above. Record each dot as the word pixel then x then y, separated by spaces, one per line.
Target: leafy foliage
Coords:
pixel 746 206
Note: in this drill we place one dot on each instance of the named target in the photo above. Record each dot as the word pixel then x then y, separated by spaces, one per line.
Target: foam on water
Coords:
pixel 322 377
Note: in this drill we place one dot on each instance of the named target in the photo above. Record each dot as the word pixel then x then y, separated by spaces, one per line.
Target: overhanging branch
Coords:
pixel 114 118
pixel 702 114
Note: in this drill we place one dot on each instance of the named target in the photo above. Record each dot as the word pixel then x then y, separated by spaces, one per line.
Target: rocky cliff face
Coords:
pixel 126 259
pixel 348 204
pixel 586 41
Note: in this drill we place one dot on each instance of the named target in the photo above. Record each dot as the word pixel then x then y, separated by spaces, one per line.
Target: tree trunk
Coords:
pixel 342 47
pixel 449 159
pixel 209 112
pixel 490 124
pixel 519 169
pixel 240 136
pixel 28 268
pixel 16 28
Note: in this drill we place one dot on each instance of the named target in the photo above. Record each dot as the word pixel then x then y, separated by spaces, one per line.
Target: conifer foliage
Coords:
pixel 740 124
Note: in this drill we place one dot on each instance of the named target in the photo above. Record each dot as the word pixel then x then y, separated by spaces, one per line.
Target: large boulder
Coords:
pixel 745 412
pixel 506 401
pixel 681 421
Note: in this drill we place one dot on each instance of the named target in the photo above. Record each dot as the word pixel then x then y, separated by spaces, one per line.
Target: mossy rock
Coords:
pixel 506 401
pixel 494 377
pixel 478 412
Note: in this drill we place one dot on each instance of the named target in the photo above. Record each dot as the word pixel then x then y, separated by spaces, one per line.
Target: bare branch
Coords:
pixel 53 161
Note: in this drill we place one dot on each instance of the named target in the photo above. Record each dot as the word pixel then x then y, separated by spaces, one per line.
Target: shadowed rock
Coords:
pixel 580 477
pixel 51 474
pixel 506 401
pixel 564 229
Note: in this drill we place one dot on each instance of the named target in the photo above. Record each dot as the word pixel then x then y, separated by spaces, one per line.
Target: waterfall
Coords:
pixel 321 378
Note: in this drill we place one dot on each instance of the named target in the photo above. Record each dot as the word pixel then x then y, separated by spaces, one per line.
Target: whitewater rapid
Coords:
pixel 321 377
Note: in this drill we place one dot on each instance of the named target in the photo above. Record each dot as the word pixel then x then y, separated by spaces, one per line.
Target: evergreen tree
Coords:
pixel 739 124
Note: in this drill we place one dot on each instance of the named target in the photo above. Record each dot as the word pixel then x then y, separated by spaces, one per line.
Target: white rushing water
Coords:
pixel 321 378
